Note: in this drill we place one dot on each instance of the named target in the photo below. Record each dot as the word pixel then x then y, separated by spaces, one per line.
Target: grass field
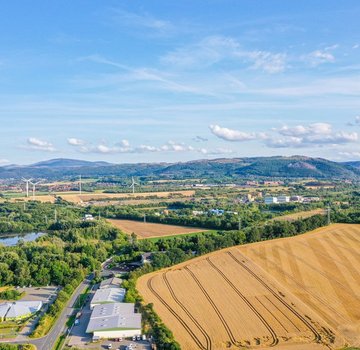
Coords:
pixel 299 215
pixel 293 293
pixel 151 230
pixel 87 197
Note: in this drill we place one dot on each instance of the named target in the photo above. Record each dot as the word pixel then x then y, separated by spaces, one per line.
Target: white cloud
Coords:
pixel 125 143
pixel 75 142
pixel 350 154
pixel 231 134
pixel 214 49
pixel 315 134
pixel 37 144
pixel 141 20
pixel 318 57
pixel 267 61
pixel 124 147
pixel 3 161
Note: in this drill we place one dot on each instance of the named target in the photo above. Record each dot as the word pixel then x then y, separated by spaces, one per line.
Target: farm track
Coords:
pixel 215 308
pixel 168 307
pixel 284 314
pixel 202 330
pixel 248 303
pixel 317 335
pixel 271 313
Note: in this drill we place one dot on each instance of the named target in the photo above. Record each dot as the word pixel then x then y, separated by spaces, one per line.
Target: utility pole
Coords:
pixel 144 218
pixel 239 223
pixel 55 215
pixel 46 219
pixel 328 215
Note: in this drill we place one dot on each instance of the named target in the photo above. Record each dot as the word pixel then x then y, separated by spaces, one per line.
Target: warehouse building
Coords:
pixel 117 320
pixel 19 310
pixel 112 282
pixel 108 296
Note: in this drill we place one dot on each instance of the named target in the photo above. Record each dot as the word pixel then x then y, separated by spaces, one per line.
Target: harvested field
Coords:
pixel 151 230
pixel 77 198
pixel 293 293
pixel 299 215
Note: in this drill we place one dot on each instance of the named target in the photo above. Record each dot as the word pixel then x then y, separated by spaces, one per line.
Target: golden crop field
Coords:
pixel 152 230
pixel 299 215
pixel 87 197
pixel 293 293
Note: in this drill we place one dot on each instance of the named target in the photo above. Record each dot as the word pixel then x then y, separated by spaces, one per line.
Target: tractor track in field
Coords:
pixel 247 302
pixel 183 307
pixel 215 308
pixel 303 288
pixel 182 322
pixel 317 335
pixel 284 314
pixel 328 276
pixel 270 312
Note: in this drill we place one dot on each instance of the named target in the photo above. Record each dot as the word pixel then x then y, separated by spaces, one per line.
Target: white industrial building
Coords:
pixel 113 282
pixel 19 310
pixel 116 320
pixel 270 200
pixel 107 296
pixel 283 199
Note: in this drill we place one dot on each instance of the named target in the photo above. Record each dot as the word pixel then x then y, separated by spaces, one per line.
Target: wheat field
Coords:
pixel 152 230
pixel 293 293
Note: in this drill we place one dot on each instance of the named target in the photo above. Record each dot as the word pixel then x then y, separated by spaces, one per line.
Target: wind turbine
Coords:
pixel 133 183
pixel 33 188
pixel 27 181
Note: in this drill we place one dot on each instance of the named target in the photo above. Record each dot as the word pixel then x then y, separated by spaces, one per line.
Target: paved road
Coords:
pixel 48 342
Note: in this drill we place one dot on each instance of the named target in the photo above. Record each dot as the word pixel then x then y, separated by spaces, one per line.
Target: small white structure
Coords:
pixel 117 320
pixel 88 217
pixel 19 310
pixel 270 200
pixel 146 258
pixel 107 296
pixel 283 199
pixel 112 282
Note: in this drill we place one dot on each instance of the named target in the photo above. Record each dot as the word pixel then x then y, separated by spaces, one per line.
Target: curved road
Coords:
pixel 47 342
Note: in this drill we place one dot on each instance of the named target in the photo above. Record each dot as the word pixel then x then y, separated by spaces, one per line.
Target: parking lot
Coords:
pixel 44 294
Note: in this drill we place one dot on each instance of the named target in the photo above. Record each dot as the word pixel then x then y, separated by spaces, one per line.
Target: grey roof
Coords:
pixel 114 316
pixel 108 295
pixel 107 310
pixel 23 308
pixel 4 308
pixel 111 282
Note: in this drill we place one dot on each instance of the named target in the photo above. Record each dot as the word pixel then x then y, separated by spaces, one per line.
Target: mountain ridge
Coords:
pixel 268 167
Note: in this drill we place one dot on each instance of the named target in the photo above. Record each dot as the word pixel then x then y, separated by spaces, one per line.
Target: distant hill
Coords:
pixel 67 163
pixel 355 164
pixel 259 167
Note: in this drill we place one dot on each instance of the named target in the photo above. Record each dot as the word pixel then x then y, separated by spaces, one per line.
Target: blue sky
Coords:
pixel 131 81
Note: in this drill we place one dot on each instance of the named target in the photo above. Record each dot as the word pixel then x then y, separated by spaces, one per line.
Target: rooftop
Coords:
pixel 115 309
pixel 4 307
pixel 108 295
pixel 111 282
pixel 114 316
pixel 23 308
